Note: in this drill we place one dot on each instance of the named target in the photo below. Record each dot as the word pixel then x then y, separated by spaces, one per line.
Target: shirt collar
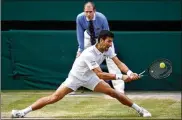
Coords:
pixel 92 19
pixel 96 50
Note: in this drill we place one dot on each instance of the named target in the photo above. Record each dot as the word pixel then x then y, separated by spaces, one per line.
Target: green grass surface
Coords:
pixel 88 106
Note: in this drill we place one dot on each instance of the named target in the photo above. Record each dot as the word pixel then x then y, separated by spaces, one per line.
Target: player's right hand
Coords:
pixel 134 76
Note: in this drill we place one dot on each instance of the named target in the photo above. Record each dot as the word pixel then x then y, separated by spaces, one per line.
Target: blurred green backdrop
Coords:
pixel 39 59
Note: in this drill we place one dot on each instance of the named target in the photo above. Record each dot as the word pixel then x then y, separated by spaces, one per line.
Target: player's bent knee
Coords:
pixel 54 98
pixel 111 93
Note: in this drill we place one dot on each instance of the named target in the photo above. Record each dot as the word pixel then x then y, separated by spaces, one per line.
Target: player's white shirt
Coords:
pixel 89 59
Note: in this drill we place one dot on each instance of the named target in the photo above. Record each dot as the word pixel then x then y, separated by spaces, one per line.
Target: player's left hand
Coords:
pixel 134 76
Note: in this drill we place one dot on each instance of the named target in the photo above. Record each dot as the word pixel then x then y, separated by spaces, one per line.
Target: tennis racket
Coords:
pixel 157 72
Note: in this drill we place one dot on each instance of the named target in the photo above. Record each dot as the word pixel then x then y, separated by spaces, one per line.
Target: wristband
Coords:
pixel 129 72
pixel 119 76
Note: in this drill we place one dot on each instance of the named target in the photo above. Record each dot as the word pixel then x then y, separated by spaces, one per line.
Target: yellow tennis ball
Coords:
pixel 162 65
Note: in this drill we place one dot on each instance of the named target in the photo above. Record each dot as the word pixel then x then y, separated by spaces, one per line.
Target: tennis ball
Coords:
pixel 162 65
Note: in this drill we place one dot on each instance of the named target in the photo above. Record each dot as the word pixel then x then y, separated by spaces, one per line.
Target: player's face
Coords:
pixel 107 43
pixel 89 11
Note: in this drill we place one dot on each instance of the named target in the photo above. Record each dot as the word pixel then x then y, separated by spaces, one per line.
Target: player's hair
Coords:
pixel 104 34
pixel 93 5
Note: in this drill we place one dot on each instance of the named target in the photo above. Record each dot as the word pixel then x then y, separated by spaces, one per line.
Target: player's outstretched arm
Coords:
pixel 125 69
pixel 109 76
pixel 120 64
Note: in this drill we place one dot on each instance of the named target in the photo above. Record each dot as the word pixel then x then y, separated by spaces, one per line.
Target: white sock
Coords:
pixel 136 107
pixel 27 110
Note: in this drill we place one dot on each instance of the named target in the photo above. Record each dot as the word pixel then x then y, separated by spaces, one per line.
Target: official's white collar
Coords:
pixel 92 19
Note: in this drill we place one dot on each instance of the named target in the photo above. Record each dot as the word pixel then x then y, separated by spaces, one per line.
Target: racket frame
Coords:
pixel 146 71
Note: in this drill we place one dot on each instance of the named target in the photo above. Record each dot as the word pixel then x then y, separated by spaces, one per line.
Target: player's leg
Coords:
pixel 56 96
pixel 118 85
pixel 110 83
pixel 97 85
pixel 106 89
pixel 122 98
pixel 68 86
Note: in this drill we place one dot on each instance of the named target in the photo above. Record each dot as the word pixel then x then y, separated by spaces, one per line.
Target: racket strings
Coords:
pixel 158 73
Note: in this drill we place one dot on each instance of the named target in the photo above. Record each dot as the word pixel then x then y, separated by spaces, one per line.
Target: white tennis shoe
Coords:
pixel 144 113
pixel 17 114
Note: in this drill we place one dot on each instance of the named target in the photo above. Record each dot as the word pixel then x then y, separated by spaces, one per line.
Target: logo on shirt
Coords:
pixel 93 63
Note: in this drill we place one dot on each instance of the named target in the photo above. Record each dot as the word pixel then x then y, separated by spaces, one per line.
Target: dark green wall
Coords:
pixel 42 59
pixel 114 10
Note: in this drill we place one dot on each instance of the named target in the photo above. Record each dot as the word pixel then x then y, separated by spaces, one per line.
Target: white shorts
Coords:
pixel 74 83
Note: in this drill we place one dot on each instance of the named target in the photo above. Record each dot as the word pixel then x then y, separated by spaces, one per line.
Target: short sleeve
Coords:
pixel 90 61
pixel 111 53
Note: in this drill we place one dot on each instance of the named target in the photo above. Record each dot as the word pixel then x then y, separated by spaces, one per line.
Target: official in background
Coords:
pixel 88 26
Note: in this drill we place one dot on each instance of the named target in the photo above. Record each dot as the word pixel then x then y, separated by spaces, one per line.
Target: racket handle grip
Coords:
pixel 140 76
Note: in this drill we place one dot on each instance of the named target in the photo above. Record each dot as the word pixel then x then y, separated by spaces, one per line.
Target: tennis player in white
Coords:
pixel 86 72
